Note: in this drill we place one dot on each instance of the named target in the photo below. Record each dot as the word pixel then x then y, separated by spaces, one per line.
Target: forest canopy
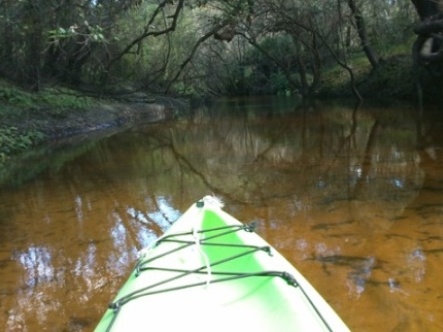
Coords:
pixel 198 47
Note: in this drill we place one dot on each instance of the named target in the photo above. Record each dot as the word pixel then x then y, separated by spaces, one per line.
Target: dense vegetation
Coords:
pixel 207 47
pixel 197 47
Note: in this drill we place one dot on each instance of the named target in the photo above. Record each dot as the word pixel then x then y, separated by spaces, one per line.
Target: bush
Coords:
pixel 12 141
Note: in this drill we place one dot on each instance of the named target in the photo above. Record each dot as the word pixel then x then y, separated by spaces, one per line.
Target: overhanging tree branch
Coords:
pixel 203 38
pixel 147 33
pixel 363 35
pixel 253 42
pixel 288 20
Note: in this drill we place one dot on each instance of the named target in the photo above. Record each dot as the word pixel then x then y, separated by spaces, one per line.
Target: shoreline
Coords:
pixel 28 126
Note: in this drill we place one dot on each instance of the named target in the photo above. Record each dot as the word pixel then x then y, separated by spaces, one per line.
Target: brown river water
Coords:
pixel 352 197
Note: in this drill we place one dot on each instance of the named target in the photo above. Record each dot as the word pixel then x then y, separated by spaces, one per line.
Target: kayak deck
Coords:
pixel 211 272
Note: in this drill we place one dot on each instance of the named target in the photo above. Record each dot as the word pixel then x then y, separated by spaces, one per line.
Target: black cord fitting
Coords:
pixel 289 278
pixel 251 227
pixel 114 305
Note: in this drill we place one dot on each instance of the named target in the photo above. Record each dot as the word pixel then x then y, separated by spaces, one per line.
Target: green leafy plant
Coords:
pixel 13 141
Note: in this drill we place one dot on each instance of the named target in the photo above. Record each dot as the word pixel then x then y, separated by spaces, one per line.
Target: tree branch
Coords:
pixel 343 64
pixel 207 35
pixel 429 26
pixel 148 33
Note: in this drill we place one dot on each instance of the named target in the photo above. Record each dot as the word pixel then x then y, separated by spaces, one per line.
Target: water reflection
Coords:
pixel 345 194
pixel 316 157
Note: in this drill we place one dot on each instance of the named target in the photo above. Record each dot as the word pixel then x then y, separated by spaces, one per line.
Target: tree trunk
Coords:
pixel 363 35
pixel 33 74
pixel 8 63
pixel 426 8
pixel 304 85
pixel 77 57
pixel 34 48
pixel 316 66
pixel 427 51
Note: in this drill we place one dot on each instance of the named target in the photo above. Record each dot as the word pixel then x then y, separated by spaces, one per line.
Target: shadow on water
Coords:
pixel 352 196
pixel 29 165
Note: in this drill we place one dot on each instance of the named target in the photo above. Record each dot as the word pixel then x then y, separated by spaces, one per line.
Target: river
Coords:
pixel 353 197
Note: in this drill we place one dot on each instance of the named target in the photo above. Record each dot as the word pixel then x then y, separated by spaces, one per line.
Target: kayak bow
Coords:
pixel 211 272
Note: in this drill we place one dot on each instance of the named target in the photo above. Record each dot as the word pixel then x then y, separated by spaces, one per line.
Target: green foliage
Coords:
pixel 59 100
pixel 94 33
pixel 335 79
pixel 133 44
pixel 14 96
pixel 13 141
pixel 279 84
pixel 30 163
pixel 263 67
pixel 393 78
pixel 64 99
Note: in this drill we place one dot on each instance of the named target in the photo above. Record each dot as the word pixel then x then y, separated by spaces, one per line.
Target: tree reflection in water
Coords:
pixel 344 193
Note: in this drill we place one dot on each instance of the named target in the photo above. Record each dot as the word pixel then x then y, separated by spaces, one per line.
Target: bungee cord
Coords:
pixel 197 239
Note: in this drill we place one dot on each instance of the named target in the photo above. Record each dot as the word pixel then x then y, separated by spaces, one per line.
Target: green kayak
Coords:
pixel 210 272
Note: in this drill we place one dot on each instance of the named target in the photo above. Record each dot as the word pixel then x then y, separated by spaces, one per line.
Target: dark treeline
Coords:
pixel 198 47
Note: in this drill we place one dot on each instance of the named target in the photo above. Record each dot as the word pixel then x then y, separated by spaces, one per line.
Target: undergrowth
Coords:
pixel 20 109
pixel 13 141
pixel 60 99
pixel 392 79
